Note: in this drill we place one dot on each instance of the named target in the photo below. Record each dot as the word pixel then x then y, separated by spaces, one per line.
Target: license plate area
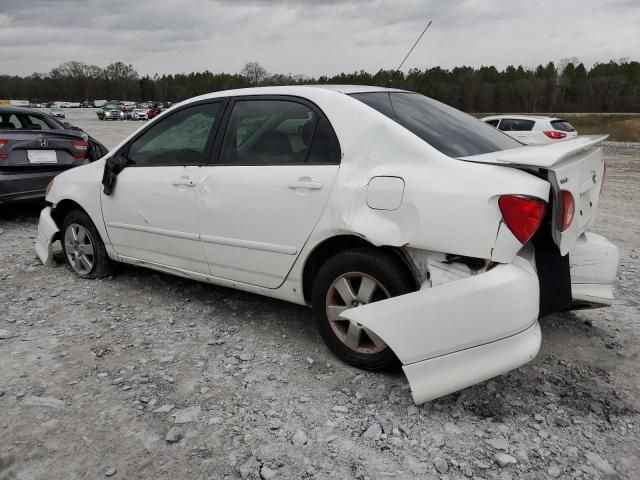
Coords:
pixel 47 157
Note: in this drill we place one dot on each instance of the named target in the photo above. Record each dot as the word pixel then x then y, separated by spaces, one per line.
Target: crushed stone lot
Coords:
pixel 145 375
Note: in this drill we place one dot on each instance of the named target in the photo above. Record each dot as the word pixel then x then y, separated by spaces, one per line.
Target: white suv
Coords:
pixel 532 130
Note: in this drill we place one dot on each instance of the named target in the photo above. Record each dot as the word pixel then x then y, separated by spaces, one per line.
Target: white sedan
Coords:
pixel 533 130
pixel 417 233
pixel 140 113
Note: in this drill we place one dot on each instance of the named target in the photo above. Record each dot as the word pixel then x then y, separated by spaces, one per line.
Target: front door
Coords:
pixel 260 202
pixel 152 214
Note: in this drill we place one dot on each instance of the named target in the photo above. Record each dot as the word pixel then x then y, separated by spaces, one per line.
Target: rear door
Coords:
pixel 261 199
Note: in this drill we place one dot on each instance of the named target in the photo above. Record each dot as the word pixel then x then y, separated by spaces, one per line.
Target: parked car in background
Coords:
pixel 56 112
pixel 532 130
pixel 140 113
pixel 110 111
pixel 416 232
pixel 34 148
pixel 153 112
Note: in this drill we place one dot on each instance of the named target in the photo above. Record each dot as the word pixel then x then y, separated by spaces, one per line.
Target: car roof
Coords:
pixel 10 109
pixel 524 117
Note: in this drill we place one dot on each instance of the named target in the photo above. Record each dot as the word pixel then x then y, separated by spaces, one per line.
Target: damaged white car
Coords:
pixel 416 232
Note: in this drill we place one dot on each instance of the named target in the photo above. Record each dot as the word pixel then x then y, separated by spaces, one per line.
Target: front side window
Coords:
pixel 448 130
pixel 276 132
pixel 179 139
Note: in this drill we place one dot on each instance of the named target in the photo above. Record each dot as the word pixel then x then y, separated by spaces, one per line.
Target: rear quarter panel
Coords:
pixel 448 205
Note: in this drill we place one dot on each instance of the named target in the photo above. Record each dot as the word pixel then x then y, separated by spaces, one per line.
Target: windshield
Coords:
pixel 446 129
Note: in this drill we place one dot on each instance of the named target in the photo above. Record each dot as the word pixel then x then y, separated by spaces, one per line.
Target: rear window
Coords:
pixel 516 125
pixel 446 129
pixel 562 125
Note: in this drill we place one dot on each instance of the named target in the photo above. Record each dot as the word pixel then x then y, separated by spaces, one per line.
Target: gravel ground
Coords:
pixel 145 375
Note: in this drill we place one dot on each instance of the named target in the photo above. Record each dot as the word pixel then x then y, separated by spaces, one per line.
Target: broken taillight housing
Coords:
pixel 568 209
pixel 522 215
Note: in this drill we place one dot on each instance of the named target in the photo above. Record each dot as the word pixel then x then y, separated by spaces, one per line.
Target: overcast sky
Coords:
pixel 311 36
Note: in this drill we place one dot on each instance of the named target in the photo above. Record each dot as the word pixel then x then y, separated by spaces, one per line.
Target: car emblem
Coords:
pixel 44 143
pixel 593 176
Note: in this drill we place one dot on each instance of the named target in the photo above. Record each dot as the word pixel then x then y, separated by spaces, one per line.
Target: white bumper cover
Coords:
pixel 455 335
pixel 594 263
pixel 47 229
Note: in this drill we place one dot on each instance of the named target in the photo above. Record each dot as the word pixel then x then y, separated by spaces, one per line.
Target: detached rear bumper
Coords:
pixel 593 264
pixel 47 232
pixel 455 335
pixel 448 373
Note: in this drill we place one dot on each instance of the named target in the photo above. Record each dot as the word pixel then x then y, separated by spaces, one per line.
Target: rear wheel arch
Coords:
pixel 332 246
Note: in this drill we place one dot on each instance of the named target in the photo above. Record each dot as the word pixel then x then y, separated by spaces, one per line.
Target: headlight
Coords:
pixel 49 187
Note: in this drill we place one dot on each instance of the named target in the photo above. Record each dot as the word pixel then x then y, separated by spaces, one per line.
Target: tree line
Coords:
pixel 567 86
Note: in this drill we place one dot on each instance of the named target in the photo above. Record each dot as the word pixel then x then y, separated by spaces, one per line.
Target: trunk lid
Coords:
pixel 575 165
pixel 18 144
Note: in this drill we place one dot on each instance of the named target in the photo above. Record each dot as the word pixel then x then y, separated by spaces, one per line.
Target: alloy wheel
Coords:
pixel 351 290
pixel 78 246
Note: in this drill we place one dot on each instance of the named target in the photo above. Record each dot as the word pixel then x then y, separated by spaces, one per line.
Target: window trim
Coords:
pixel 206 153
pixel 215 157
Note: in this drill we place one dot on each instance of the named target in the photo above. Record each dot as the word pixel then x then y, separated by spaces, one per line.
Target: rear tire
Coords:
pixel 349 279
pixel 84 250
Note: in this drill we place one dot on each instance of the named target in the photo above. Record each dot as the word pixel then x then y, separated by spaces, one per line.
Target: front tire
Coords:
pixel 350 279
pixel 84 250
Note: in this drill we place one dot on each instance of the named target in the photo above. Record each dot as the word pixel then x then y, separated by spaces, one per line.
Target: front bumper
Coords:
pixel 47 233
pixel 457 334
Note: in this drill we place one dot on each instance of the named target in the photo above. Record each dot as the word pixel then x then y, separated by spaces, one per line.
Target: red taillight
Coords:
pixel 81 146
pixel 568 208
pixel 3 142
pixel 553 134
pixel 522 215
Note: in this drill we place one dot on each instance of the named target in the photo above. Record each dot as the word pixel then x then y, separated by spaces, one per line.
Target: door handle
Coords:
pixel 186 181
pixel 306 184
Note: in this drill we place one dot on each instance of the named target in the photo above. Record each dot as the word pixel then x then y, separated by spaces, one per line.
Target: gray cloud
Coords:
pixel 310 36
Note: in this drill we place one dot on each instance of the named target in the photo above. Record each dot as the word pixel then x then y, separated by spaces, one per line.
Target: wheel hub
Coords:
pixel 352 290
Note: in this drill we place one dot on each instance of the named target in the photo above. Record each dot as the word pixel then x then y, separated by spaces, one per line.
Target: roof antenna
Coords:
pixel 390 81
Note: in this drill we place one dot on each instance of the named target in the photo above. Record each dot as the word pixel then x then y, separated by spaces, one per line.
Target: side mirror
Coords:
pixel 112 167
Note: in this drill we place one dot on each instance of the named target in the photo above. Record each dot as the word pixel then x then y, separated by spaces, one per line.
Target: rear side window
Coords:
pixel 562 125
pixel 38 123
pixel 493 123
pixel 446 129
pixel 516 125
pixel 276 132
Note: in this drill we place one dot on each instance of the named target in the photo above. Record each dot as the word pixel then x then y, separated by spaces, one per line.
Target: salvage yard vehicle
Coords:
pixel 532 130
pixel 139 113
pixel 110 111
pixel 416 232
pixel 34 148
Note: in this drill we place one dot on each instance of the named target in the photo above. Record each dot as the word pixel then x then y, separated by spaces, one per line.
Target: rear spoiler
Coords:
pixel 542 156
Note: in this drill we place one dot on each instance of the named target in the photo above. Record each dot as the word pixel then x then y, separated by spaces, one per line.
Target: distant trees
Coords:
pixel 567 86
pixel 254 73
